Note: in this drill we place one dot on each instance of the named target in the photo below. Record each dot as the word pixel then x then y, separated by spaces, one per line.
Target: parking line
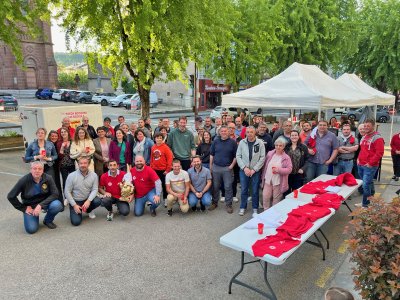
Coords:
pixel 342 248
pixel 324 277
pixel 12 174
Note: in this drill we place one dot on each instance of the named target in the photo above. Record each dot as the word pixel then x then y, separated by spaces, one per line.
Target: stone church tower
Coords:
pixel 40 66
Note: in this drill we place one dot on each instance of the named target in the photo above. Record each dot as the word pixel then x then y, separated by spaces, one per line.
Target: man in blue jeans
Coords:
pixel 200 184
pixel 371 151
pixel 348 145
pixel 38 192
pixel 323 148
pixel 250 157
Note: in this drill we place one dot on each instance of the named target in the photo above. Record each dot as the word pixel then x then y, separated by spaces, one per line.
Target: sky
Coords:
pixel 58 36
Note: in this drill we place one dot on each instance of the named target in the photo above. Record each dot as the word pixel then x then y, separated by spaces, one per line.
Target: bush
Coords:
pixel 375 248
pixel 128 86
pixel 67 79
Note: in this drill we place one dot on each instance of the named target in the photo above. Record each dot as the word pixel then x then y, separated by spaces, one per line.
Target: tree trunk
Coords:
pixel 144 100
pixel 236 86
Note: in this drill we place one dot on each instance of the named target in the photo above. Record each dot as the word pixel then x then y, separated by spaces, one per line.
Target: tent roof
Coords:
pixel 299 86
pixel 354 82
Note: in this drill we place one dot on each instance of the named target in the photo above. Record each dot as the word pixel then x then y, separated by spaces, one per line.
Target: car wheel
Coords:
pixel 382 119
pixel 353 117
pixel 104 102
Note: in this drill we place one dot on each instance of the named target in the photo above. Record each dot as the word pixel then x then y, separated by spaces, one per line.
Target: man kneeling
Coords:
pixel 38 191
pixel 200 184
pixel 109 187
pixel 177 183
pixel 81 192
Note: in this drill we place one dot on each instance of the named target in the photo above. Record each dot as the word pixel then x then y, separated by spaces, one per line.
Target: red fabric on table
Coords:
pixel 311 212
pixel 274 245
pixel 318 187
pixel 328 200
pixel 295 226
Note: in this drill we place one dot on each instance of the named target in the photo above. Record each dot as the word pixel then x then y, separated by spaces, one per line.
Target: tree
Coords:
pixel 20 19
pixel 150 39
pixel 316 32
pixel 248 55
pixel 377 59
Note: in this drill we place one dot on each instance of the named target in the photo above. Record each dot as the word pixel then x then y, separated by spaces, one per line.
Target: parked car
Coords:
pixel 83 97
pixel 119 100
pixel 44 93
pixel 103 98
pixel 382 115
pixel 8 102
pixel 57 94
pixel 220 110
pixel 153 100
pixel 67 95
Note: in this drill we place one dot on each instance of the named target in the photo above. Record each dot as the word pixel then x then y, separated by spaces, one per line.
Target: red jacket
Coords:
pixel 395 144
pixel 372 147
pixel 161 158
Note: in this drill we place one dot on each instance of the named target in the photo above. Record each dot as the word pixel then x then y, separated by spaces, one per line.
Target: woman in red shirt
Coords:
pixel 395 151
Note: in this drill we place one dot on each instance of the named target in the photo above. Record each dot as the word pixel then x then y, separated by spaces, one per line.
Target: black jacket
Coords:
pixel 26 187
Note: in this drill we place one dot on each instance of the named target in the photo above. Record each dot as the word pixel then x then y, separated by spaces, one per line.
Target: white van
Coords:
pixel 136 99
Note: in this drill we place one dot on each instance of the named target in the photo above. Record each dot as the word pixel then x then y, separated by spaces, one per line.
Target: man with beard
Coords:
pixel 200 185
pixel 265 137
pixel 147 186
pixel 305 132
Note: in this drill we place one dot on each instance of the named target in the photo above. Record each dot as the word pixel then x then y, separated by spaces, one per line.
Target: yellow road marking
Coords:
pixel 324 277
pixel 377 194
pixel 342 248
pixel 381 187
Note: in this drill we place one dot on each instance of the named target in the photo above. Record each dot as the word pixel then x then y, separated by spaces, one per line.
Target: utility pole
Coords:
pixel 195 90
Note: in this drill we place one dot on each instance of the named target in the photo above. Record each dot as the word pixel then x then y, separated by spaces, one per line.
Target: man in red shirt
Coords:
pixel 147 186
pixel 371 151
pixel 109 187
pixel 66 122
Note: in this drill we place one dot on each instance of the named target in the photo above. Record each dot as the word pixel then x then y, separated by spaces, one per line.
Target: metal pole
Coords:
pixel 391 126
pixel 195 90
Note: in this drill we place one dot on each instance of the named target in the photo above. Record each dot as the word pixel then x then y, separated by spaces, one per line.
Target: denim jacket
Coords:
pixel 33 150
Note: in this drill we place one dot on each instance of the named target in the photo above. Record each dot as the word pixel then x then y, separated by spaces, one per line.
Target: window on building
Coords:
pixel 168 94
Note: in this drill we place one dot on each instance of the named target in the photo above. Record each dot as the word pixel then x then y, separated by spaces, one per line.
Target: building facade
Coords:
pixel 39 68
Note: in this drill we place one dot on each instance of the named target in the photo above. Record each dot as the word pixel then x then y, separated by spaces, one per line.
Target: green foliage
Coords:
pixel 19 19
pixel 68 59
pixel 375 248
pixel 377 58
pixel 150 39
pixel 10 133
pixel 66 79
pixel 246 58
pixel 128 86
pixel 317 32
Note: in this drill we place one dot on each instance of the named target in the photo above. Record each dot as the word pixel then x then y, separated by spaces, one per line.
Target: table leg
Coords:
pixel 323 234
pixel 269 295
pixel 345 203
pixel 318 244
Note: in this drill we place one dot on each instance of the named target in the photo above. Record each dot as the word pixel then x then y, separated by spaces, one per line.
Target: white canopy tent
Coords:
pixel 299 86
pixel 354 82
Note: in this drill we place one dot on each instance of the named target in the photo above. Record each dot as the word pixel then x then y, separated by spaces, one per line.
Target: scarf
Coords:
pixel 139 147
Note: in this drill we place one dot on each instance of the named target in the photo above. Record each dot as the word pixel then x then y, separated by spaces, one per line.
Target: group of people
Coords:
pixel 196 167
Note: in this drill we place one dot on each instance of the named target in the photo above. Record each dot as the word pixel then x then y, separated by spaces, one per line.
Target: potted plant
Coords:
pixel 375 249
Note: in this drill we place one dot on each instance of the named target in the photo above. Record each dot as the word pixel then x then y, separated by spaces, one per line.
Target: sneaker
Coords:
pixel 222 199
pixel 358 205
pixel 212 207
pixel 249 199
pixel 169 213
pixel 394 177
pixel 241 212
pixel 65 202
pixel 202 207
pixel 50 225
pixel 235 199
pixel 194 208
pixel 110 216
pixel 255 210
pixel 148 203
pixel 153 213
pixel 229 209
pixel 92 215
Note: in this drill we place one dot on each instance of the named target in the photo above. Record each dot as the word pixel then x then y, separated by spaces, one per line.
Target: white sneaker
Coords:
pixel 255 211
pixel 235 199
pixel 241 211
pixel 92 215
pixel 110 216
pixel 358 205
pixel 222 199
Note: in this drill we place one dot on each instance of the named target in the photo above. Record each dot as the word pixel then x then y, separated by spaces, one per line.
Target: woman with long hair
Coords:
pixel 54 138
pixel 82 146
pixel 101 152
pixel 298 154
pixel 203 149
pixel 43 151
pixel 142 146
pixel 120 150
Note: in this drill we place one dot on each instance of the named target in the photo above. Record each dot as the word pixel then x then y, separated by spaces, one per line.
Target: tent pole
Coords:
pixel 319 113
pixel 375 110
pixel 391 126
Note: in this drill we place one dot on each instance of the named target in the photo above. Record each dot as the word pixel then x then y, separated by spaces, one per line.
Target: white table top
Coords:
pixel 242 239
pixel 345 190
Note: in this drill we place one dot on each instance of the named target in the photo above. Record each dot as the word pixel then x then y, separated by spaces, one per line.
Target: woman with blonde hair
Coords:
pixel 277 168
pixel 82 146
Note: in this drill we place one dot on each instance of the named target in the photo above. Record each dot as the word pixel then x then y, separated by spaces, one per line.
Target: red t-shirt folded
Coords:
pixel 328 200
pixel 295 226
pixel 274 245
pixel 318 187
pixel 311 212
